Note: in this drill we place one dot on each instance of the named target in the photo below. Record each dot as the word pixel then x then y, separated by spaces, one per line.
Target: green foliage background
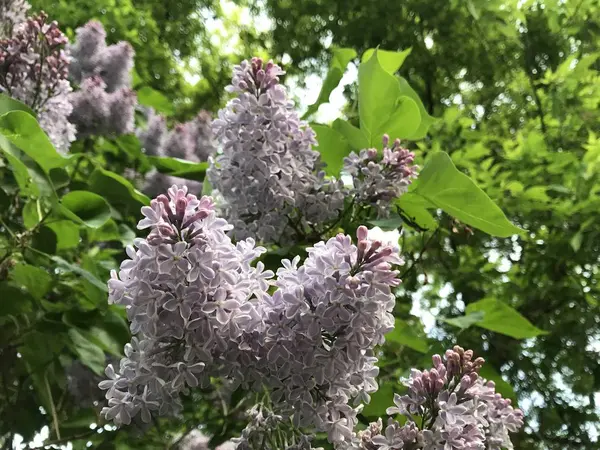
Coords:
pixel 510 91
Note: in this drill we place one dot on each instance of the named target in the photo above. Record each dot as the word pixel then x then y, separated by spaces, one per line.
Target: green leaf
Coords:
pixel 65 265
pixel 86 208
pixel 103 340
pixel 403 123
pixel 117 191
pixel 382 108
pixel 34 280
pixel 67 234
pixel 341 58
pixel 464 322
pixel 180 167
pixel 503 319
pixel 206 187
pixel 45 240
pixel 107 232
pixel 31 214
pixel 89 354
pixel 21 172
pixel 415 209
pixel 410 335
pixel 8 104
pixel 14 300
pixel 391 61
pixel 355 137
pixel 391 223
pixel 150 97
pixel 378 92
pixel 426 119
pixel 443 185
pixel 333 147
pixel 126 235
pixel 23 131
pixel 576 241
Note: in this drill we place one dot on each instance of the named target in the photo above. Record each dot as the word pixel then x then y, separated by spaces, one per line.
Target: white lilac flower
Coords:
pixel 266 170
pixel 34 69
pixel 380 178
pixel 459 410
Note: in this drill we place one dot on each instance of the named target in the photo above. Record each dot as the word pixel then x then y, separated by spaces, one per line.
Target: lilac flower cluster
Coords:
pixel 267 172
pixel 105 104
pixel 186 289
pixel 198 308
pixel 191 141
pixel 457 409
pixel 380 179
pixel 12 12
pixel 97 112
pixel 34 69
pixel 269 431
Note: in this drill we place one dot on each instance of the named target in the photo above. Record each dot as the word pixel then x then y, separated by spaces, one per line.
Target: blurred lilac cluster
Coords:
pixel 34 69
pixel 199 309
pixel 267 173
pixel 379 179
pixel 456 409
pixel 12 12
pixel 191 141
pixel 104 103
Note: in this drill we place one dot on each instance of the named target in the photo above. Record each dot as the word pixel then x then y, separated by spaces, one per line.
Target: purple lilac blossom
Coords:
pixel 104 103
pixel 379 179
pixel 97 112
pixel 92 57
pixel 459 411
pixel 199 308
pixel 12 12
pixel 191 141
pixel 34 69
pixel 266 171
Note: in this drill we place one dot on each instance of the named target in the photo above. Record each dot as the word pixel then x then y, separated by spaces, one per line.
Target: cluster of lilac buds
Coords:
pixel 380 179
pixel 267 172
pixel 105 103
pixel 34 69
pixel 199 309
pixel 455 408
pixel 191 141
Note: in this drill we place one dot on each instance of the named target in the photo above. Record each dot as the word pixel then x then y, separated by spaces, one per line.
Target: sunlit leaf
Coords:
pixel 443 185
